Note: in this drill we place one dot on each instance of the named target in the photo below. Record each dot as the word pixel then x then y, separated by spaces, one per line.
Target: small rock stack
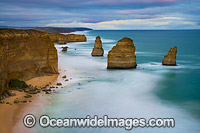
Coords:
pixel 170 59
pixel 97 50
pixel 122 55
pixel 64 48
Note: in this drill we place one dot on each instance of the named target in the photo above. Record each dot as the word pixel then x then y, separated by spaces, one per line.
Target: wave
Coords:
pixel 79 32
pixel 149 54
pixel 159 66
pixel 107 40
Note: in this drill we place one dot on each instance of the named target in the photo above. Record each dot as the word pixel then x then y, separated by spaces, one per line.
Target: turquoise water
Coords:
pixel 151 90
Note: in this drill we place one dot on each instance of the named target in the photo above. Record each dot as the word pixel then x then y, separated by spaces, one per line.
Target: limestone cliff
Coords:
pixel 58 38
pixel 76 38
pixel 25 54
pixel 63 39
pixel 122 55
pixel 97 50
pixel 170 59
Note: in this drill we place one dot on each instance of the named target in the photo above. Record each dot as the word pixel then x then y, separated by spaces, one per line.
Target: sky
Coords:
pixel 102 14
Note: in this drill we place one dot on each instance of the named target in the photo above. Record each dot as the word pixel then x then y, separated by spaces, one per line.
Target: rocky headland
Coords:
pixel 97 50
pixel 51 29
pixel 57 29
pixel 122 55
pixel 63 39
pixel 58 38
pixel 25 54
pixel 76 38
pixel 170 59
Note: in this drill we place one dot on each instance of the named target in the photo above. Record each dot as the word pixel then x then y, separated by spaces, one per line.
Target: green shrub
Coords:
pixel 17 83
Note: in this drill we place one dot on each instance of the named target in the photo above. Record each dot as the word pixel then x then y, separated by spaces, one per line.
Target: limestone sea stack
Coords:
pixel 122 55
pixel 97 50
pixel 170 59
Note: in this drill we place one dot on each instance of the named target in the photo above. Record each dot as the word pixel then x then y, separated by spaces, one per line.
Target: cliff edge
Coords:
pixel 25 54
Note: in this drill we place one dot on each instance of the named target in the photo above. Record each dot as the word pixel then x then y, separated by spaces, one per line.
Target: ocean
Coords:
pixel 150 91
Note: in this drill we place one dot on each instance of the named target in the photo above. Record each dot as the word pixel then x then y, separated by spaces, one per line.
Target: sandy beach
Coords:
pixel 13 120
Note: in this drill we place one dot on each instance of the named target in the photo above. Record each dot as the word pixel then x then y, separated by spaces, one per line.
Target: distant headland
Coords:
pixel 52 29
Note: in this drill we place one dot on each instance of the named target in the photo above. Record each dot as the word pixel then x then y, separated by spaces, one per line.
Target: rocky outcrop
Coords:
pixel 25 54
pixel 58 38
pixel 122 55
pixel 63 39
pixel 170 59
pixel 97 50
pixel 64 49
pixel 76 38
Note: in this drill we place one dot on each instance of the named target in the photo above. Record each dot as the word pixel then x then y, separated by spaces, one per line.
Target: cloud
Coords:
pixel 155 23
pixel 90 4
pixel 88 20
pixel 116 14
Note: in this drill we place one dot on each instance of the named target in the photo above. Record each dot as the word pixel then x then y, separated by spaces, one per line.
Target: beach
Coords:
pixel 13 121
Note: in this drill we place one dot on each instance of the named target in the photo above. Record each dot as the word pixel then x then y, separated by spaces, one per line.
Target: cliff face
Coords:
pixel 63 39
pixel 58 38
pixel 170 59
pixel 76 38
pixel 25 54
pixel 98 50
pixel 122 55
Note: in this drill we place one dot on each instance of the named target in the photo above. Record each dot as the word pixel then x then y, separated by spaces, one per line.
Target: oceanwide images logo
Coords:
pixel 105 121
pixel 29 120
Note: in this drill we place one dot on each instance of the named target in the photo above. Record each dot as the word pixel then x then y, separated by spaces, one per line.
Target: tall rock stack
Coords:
pixel 97 50
pixel 122 55
pixel 170 59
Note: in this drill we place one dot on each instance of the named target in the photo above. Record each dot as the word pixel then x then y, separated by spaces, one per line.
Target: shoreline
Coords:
pixel 37 106
pixel 12 114
pixel 13 121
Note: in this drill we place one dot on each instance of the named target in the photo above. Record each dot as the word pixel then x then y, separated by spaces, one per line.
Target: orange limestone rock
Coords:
pixel 97 50
pixel 76 38
pixel 122 55
pixel 58 38
pixel 170 59
pixel 25 54
pixel 63 39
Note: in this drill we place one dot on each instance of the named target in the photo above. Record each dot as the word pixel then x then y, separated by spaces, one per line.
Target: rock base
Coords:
pixel 97 52
pixel 170 59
